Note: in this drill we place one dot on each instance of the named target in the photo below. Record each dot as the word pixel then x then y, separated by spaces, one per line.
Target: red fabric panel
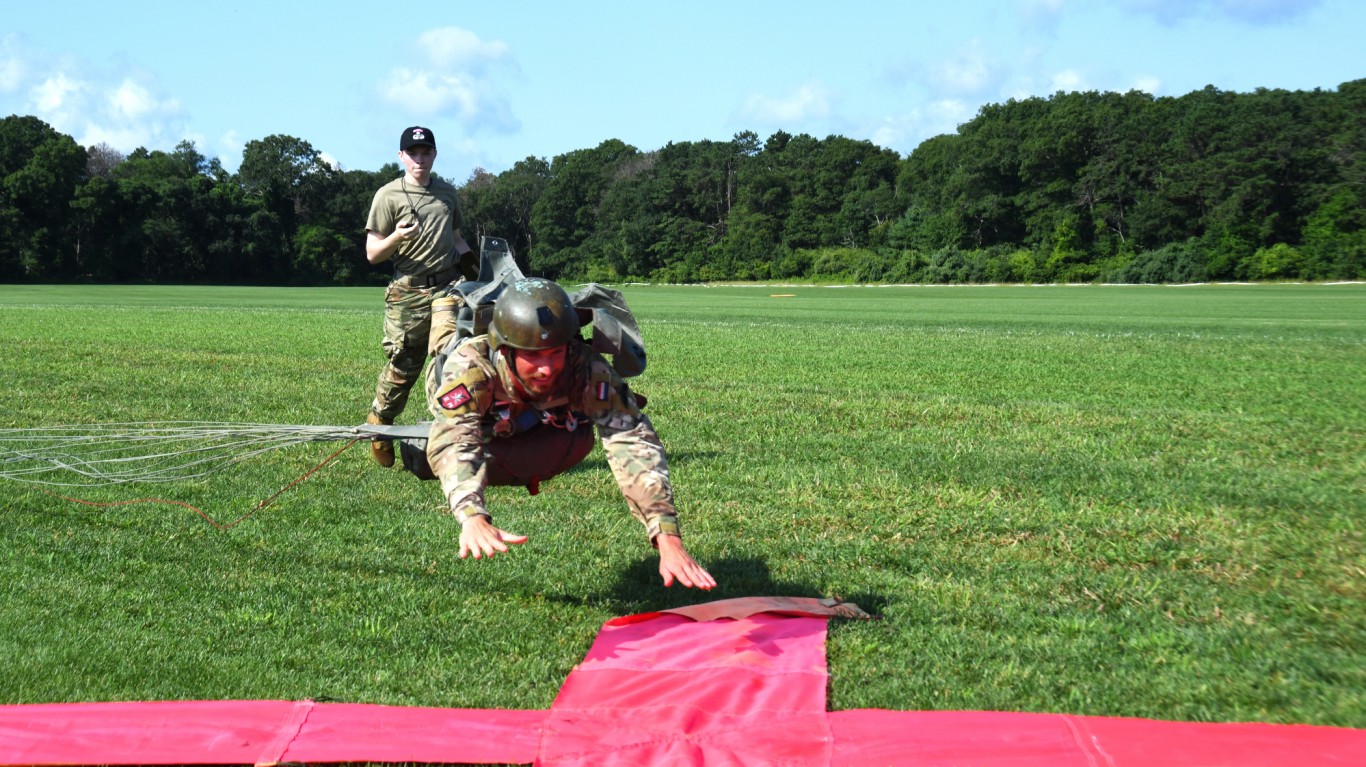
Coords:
pixel 1247 744
pixel 354 732
pixel 691 686
pixel 190 732
pixel 1001 739
pixel 669 690
pixel 262 732
pixel 942 738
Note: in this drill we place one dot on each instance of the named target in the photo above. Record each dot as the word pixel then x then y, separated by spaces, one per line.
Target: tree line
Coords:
pixel 1077 187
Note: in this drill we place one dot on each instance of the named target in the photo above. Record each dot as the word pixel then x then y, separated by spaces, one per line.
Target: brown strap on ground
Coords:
pixel 743 607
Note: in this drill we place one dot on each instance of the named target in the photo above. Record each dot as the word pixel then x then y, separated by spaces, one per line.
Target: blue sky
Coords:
pixel 501 80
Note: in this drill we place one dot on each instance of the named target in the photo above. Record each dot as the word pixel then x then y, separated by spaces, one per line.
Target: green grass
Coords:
pixel 1125 501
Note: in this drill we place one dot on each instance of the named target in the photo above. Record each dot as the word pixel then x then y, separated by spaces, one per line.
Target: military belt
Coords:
pixel 433 280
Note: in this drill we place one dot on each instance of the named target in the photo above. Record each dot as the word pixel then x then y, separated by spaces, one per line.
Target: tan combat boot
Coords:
pixel 382 450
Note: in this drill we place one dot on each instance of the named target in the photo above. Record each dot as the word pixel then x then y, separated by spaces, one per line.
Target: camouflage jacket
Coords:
pixel 474 401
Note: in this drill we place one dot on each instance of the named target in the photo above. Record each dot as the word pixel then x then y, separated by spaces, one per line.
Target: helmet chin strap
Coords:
pixel 506 364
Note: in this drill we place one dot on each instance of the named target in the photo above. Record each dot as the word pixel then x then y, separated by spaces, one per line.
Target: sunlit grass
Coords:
pixel 1134 501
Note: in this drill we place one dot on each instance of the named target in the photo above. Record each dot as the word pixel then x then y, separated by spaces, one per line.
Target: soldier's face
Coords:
pixel 417 162
pixel 539 369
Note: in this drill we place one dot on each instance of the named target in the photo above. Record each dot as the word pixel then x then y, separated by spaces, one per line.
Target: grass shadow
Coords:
pixel 598 462
pixel 637 587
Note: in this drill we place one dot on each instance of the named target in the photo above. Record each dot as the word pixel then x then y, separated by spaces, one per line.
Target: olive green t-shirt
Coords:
pixel 437 211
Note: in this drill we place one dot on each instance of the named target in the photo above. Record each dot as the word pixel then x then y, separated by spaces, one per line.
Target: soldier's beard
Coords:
pixel 566 378
pixel 536 388
pixel 540 388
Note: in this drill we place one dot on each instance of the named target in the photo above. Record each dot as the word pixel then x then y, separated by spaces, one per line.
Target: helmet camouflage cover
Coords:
pixel 533 314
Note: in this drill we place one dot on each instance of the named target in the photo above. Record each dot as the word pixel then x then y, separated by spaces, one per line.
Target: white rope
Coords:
pixel 116 453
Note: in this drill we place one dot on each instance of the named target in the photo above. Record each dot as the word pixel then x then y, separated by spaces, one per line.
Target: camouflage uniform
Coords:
pixel 421 268
pixel 478 411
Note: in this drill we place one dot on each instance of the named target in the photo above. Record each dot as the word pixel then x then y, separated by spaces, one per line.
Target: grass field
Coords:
pixel 1130 501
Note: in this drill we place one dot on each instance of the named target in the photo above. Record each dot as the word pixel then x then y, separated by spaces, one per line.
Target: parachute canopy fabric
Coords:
pixel 738 682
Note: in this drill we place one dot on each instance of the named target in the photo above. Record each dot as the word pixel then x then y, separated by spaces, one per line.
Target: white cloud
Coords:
pixel 133 101
pixel 1249 11
pixel 118 106
pixel 1067 80
pixel 123 138
pixel 904 133
pixel 1165 11
pixel 1042 12
pixel 808 101
pixel 12 67
pixel 969 71
pixel 54 95
pixel 424 93
pixel 231 143
pixel 453 47
pixel 457 78
pixel 1267 11
pixel 1148 84
pixel 125 115
pixel 11 75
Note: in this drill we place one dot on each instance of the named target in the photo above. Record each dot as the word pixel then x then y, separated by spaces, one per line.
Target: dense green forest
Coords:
pixel 1078 187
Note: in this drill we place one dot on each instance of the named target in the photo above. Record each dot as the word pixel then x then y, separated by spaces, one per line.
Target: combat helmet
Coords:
pixel 533 314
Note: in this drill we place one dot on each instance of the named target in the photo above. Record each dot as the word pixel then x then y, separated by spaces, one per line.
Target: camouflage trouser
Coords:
pixel 407 321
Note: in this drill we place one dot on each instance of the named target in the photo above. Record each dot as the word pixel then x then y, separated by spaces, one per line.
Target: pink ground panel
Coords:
pixel 1001 739
pixel 740 682
pixel 262 732
pixel 676 691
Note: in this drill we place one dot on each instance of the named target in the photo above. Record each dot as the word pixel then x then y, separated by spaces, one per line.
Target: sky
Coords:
pixel 498 81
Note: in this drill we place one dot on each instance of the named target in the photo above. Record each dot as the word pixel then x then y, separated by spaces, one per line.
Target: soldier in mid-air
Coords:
pixel 519 405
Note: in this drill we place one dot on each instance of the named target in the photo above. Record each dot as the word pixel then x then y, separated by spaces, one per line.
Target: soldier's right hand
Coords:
pixel 480 538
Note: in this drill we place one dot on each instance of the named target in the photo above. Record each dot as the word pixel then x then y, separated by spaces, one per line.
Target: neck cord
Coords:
pixel 403 182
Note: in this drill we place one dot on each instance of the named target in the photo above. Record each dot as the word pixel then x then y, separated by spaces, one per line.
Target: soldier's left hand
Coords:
pixel 676 563
pixel 479 537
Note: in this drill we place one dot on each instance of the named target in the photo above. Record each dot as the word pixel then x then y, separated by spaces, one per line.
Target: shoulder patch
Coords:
pixel 607 393
pixel 455 398
pixel 466 394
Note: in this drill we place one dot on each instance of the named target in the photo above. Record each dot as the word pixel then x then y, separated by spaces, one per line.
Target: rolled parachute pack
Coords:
pixel 615 332
pixel 467 307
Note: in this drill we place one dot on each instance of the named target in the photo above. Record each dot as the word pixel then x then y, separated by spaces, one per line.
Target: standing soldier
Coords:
pixel 415 220
pixel 519 405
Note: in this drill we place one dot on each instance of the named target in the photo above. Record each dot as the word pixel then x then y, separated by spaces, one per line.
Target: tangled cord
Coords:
pixel 200 512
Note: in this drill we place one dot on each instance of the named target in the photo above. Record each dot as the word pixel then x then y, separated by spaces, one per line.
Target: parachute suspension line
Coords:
pixel 104 454
pixel 200 512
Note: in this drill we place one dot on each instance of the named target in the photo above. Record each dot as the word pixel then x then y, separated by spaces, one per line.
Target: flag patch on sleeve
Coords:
pixel 604 391
pixel 455 398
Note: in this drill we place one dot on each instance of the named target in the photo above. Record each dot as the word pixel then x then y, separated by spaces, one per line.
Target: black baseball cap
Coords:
pixel 416 136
